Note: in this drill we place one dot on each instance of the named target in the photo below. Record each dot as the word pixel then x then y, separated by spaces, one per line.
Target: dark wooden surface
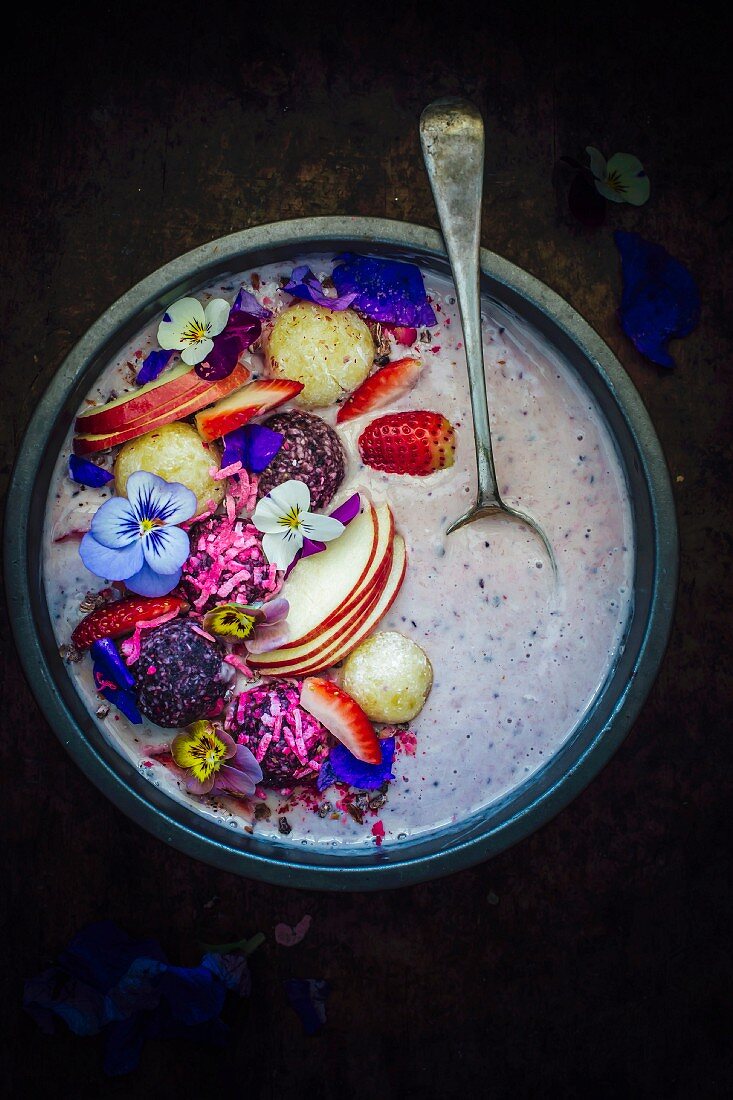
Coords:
pixel 591 960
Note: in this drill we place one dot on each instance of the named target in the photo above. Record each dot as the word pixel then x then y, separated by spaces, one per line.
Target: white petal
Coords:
pixel 292 494
pixel 632 176
pixel 280 549
pixel 196 353
pixel 597 162
pixel 321 528
pixel 266 516
pixel 217 315
pixel 609 193
pixel 180 314
pixel 638 190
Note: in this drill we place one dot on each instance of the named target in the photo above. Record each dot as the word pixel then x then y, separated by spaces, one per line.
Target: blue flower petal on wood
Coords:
pixel 660 299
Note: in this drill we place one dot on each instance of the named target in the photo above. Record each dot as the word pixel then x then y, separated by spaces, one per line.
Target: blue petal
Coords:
pixel 88 473
pixel 106 657
pixel 154 364
pixel 303 284
pixel 326 776
pixel 367 777
pixel 165 549
pixel 114 523
pixel 152 497
pixel 112 565
pixel 194 994
pixel 660 298
pixel 386 290
pixel 254 445
pixel 124 700
pixel 308 997
pixel 147 582
pixel 101 953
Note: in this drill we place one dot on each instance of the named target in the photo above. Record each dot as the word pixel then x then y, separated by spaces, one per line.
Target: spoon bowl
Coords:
pixel 452 140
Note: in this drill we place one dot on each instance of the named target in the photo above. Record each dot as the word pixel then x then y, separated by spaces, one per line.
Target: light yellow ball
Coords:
pixel 330 351
pixel 389 676
pixel 174 452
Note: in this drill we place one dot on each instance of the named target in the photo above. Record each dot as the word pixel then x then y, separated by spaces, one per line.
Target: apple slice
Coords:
pixel 185 406
pixel 256 398
pixel 342 648
pixel 285 659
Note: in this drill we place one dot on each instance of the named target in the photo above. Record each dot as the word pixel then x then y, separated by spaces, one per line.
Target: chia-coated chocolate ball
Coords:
pixel 289 743
pixel 312 453
pixel 178 675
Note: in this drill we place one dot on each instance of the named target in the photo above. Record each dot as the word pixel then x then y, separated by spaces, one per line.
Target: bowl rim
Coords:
pixel 158 813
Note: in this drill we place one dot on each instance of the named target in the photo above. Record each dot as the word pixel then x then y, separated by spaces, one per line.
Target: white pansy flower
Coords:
pixel 188 327
pixel 284 520
pixel 621 179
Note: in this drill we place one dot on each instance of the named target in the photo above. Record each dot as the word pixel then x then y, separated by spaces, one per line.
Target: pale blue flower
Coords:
pixel 135 539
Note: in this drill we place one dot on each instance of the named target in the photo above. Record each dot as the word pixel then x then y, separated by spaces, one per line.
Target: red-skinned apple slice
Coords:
pixel 156 399
pixel 343 717
pixel 286 658
pixel 253 400
pixel 89 443
pixel 342 648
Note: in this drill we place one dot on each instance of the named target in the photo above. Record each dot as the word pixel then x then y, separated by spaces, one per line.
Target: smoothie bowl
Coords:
pixel 233 593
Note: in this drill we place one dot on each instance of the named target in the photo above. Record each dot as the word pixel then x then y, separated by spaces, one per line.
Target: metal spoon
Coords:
pixel 452 138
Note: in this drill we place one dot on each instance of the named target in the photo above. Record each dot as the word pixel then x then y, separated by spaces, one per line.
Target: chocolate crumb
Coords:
pixel 248 829
pixel 262 812
pixel 324 809
pixel 356 813
pixel 255 280
pixel 69 653
pixel 378 800
pixel 284 826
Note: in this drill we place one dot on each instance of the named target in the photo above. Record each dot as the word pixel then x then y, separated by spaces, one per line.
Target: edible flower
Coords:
pixel 254 445
pixel 247 302
pixel 304 284
pixel 136 540
pixel 84 472
pixel 154 364
pixel 343 767
pixel 344 514
pixel 189 328
pixel 284 520
pixel 261 628
pixel 308 997
pixel 621 179
pixel 660 298
pixel 241 331
pixel 202 751
pixel 386 290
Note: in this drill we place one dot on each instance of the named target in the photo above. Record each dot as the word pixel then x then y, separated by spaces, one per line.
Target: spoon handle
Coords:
pixel 452 138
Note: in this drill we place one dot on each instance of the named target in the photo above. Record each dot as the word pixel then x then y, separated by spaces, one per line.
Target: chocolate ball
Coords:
pixel 311 453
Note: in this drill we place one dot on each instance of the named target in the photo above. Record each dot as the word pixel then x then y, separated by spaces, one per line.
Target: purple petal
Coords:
pixel 253 445
pixel 108 563
pixel 326 776
pixel 247 303
pixel 245 761
pixel 84 472
pixel 152 497
pixel 367 777
pixel 146 582
pixel 106 657
pixel 241 331
pixel 153 365
pixel 303 284
pixel 235 782
pixel 193 786
pixel 166 549
pixel 311 547
pixel 660 298
pixel 275 611
pixel 386 290
pixel 266 638
pixel 348 510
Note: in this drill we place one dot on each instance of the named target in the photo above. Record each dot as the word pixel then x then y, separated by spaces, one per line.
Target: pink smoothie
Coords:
pixel 518 658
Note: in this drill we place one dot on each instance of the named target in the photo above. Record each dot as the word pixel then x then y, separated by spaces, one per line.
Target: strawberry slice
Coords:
pixel 417 443
pixel 401 334
pixel 381 388
pixel 342 717
pixel 121 618
pixel 251 400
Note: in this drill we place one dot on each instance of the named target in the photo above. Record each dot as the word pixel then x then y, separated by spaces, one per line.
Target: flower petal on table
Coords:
pixel 108 563
pixel 165 548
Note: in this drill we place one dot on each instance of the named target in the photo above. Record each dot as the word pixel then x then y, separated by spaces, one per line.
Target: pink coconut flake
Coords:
pixel 240 664
pixel 131 646
pixel 263 747
pixel 203 633
pixel 225 472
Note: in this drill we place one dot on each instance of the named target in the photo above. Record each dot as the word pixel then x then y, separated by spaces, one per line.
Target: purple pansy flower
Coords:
pixel 254 445
pixel 135 538
pixel 261 629
pixel 386 290
pixel 304 284
pixel 203 751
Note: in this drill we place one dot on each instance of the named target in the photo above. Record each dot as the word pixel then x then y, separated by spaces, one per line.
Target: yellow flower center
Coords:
pixel 199 750
pixel 147 525
pixel 291 518
pixel 613 180
pixel 195 331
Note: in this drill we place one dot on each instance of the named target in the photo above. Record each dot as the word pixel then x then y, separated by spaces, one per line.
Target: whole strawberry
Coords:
pixel 416 442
